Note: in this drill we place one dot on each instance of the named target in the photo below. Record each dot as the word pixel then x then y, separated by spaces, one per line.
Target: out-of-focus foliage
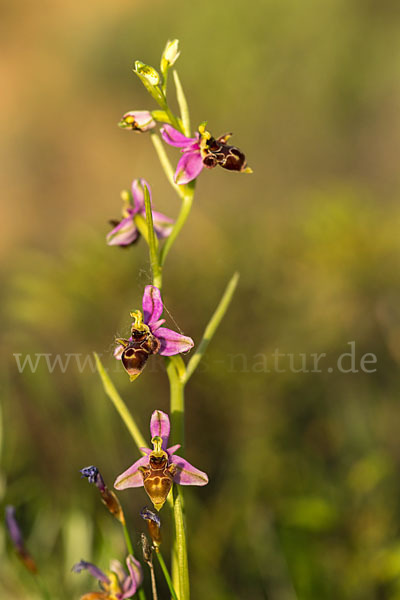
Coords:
pixel 304 493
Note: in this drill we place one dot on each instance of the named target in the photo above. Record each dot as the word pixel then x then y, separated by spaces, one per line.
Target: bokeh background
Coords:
pixel 304 493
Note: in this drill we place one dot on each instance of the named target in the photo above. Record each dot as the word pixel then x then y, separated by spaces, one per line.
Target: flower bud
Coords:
pixel 147 73
pixel 170 55
pixel 137 120
pixel 153 524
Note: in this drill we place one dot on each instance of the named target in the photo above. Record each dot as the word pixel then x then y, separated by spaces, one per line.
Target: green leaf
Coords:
pixel 152 240
pixel 212 326
pixel 120 405
pixel 183 105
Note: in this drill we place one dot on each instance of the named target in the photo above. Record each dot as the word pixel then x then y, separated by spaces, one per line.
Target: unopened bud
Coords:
pixel 153 524
pixel 170 55
pixel 137 120
pixel 148 73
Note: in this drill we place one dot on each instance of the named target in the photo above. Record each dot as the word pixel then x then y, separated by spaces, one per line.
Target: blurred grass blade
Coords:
pixel 212 326
pixel 120 405
pixel 183 105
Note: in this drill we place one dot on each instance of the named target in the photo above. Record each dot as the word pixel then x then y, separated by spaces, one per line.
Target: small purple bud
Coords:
pixel 18 540
pixel 153 524
pixel 93 475
pixel 149 515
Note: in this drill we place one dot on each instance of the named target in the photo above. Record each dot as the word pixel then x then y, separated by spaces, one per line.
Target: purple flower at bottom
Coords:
pixel 125 231
pixel 160 467
pixel 116 584
pixel 203 150
pixel 148 337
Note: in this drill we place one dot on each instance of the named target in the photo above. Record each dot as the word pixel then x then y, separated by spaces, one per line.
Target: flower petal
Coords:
pixel 123 234
pixel 152 304
pixel 173 449
pixel 146 451
pixel 117 568
pixel 135 578
pixel 157 324
pixel 173 137
pixel 189 167
pixel 118 352
pixel 93 570
pixel 160 426
pixel 187 474
pixel 13 528
pixel 173 342
pixel 138 194
pixel 132 477
pixel 162 224
pixel 96 596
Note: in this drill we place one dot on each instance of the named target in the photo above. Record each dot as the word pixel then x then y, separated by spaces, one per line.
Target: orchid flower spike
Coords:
pixel 137 120
pixel 148 337
pixel 203 150
pixel 160 467
pixel 125 232
pixel 115 584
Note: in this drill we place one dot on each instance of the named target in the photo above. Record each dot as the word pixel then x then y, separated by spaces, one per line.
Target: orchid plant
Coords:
pixel 160 470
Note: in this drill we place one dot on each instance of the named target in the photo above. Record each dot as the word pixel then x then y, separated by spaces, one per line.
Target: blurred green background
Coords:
pixel 304 493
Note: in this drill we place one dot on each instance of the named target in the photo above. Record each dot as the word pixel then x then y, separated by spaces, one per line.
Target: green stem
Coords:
pixel 42 588
pixel 177 404
pixel 180 572
pixel 179 223
pixel 212 326
pixel 166 575
pixel 180 569
pixel 120 405
pixel 128 540
pixel 174 120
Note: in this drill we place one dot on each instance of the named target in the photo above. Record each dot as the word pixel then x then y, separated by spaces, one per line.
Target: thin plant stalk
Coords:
pixel 153 581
